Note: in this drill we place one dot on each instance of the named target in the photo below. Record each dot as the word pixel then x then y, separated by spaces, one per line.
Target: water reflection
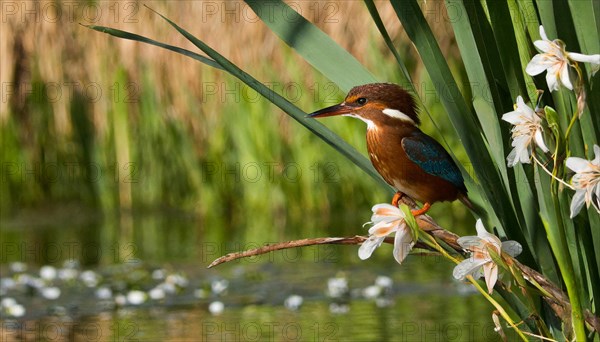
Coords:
pixel 148 282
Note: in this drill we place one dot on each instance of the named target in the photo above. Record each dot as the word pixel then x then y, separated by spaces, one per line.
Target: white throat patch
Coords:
pixel 370 124
pixel 394 113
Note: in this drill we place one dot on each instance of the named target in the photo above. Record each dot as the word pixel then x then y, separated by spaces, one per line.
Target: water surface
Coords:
pixel 133 255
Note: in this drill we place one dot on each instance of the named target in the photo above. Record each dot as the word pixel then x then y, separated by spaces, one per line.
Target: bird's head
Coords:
pixel 377 104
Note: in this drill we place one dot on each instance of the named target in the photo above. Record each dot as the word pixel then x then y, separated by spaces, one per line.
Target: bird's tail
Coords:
pixel 478 210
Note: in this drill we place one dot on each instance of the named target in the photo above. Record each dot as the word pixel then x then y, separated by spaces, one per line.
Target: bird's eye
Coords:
pixel 361 101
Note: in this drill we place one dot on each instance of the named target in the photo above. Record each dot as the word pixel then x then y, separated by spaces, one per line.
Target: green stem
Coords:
pixel 573 119
pixel 558 243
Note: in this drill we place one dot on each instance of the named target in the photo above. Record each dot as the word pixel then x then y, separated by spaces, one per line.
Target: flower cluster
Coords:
pixel 527 131
pixel 487 252
pixel 481 263
pixel 388 219
pixel 527 128
pixel 556 61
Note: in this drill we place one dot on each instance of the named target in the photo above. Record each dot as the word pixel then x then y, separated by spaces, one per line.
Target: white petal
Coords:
pixel 513 117
pixel 523 107
pixel 564 76
pixel 521 151
pixel 403 243
pixel 543 45
pixel 467 242
pixel 367 248
pixel 577 164
pixel 539 140
pixel 512 248
pixel 577 202
pixel 383 229
pixel 479 227
pixel 386 207
pixel 537 65
pixel 385 212
pixel 527 111
pixel 490 272
pixel 543 33
pixel 594 59
pixel 483 234
pixel 466 267
pixel 521 141
pixel 551 80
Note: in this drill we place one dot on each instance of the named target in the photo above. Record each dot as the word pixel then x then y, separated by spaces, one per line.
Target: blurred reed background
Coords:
pixel 97 125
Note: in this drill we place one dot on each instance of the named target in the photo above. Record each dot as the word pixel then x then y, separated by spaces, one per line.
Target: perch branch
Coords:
pixel 354 240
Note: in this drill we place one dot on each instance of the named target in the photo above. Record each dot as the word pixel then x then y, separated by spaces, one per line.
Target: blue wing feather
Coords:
pixel 426 152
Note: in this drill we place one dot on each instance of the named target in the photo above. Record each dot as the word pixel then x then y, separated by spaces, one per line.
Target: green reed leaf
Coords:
pixel 317 48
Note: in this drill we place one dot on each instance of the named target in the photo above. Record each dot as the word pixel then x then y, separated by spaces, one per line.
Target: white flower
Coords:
pixel 527 128
pixel 157 293
pixel 586 182
pixel 103 292
pixel 387 219
pixel 337 287
pixel 293 302
pixel 48 273
pixel 52 292
pixel 556 60
pixel 216 308
pixel 480 258
pixel 136 297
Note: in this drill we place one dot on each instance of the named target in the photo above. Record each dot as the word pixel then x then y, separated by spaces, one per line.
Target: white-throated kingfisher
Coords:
pixel 408 159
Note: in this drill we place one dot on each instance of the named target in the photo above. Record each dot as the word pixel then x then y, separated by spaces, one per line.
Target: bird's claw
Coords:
pixel 421 211
pixel 396 203
pixel 396 199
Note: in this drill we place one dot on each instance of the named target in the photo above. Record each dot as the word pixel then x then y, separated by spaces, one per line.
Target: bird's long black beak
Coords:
pixel 337 109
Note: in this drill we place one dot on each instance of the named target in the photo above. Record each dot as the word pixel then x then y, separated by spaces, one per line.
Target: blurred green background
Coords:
pixel 111 126
pixel 116 152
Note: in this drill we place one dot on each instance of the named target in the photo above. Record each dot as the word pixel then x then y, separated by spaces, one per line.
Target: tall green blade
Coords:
pixel 312 44
pixel 136 37
pixel 480 56
pixel 504 36
pixel 406 79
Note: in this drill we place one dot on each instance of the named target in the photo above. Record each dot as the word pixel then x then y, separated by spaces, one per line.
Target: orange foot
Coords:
pixel 421 211
pixel 397 196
